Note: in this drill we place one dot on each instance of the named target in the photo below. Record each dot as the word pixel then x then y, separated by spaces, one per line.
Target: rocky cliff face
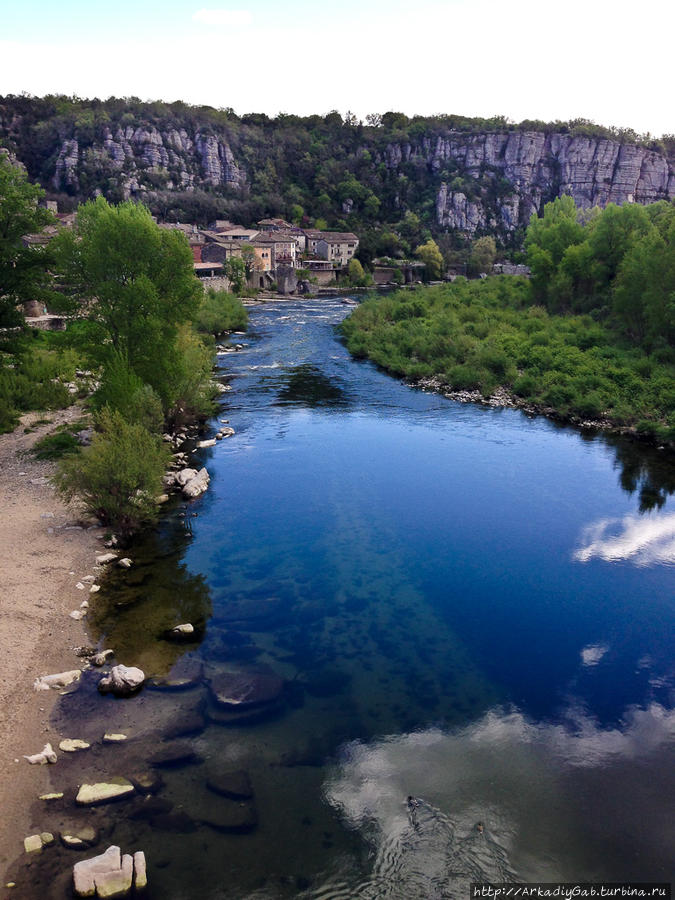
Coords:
pixel 512 175
pixel 472 181
pixel 143 157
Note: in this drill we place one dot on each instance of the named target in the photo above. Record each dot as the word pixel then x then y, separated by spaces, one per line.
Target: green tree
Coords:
pixel 357 277
pixel 23 269
pixel 235 271
pixel 432 258
pixel 546 241
pixel 136 285
pixel 483 255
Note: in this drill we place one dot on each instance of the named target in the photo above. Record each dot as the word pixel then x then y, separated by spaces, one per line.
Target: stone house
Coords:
pixel 337 247
pixel 283 245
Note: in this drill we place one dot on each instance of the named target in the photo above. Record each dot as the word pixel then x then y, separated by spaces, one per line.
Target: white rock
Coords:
pixel 186 628
pixel 72 745
pixel 104 558
pixel 113 738
pixel 79 586
pixel 46 755
pixel 122 681
pixel 95 588
pixel 100 659
pixel 58 681
pixel 125 563
pixel 197 485
pixel 32 843
pixel 107 875
pixel 57 795
pixel 77 614
pixel 227 432
pixel 184 476
pixel 89 579
pixel 140 873
pixel 104 791
pixel 210 443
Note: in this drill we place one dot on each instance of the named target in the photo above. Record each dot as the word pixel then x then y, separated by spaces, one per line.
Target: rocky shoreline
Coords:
pixel 503 398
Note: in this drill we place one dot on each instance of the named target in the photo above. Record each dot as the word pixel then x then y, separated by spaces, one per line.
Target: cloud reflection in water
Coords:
pixel 644 541
pixel 553 802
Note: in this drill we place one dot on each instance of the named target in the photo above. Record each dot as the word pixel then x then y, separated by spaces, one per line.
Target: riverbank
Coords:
pixel 45 550
pixel 477 340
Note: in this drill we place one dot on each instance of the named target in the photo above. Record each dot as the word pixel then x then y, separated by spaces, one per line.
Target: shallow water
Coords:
pixel 466 605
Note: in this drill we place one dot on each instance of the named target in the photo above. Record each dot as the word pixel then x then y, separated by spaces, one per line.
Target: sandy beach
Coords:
pixel 44 550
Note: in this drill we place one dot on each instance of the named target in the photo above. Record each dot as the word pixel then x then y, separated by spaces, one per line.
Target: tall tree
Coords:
pixel 135 285
pixel 432 258
pixel 23 269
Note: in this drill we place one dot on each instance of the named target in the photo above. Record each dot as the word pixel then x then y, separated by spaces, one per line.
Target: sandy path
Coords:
pixel 38 553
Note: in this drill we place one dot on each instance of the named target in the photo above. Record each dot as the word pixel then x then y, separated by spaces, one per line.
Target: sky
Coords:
pixel 610 61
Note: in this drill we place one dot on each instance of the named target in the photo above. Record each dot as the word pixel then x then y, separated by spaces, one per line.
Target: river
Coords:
pixel 466 606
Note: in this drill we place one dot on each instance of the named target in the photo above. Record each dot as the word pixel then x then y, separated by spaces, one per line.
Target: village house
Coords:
pixel 284 247
pixel 274 225
pixel 337 247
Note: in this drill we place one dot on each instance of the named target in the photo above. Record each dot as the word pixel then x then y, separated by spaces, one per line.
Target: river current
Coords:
pixel 467 606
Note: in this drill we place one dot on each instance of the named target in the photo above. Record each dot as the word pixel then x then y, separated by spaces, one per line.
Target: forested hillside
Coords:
pixel 395 180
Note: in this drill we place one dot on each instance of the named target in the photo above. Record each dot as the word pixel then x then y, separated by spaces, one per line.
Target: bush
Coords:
pixel 56 446
pixel 119 476
pixel 123 391
pixel 220 312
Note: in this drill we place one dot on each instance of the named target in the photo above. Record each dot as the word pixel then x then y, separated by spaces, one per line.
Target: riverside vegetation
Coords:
pixel 146 343
pixel 591 336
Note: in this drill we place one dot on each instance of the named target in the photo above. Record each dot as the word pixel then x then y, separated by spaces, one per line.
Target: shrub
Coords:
pixel 220 312
pixel 119 476
pixel 56 446
pixel 123 391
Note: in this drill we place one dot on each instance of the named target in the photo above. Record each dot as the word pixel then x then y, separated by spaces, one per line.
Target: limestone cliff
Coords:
pixel 470 176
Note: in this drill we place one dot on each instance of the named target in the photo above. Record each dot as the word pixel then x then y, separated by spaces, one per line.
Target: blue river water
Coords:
pixel 466 606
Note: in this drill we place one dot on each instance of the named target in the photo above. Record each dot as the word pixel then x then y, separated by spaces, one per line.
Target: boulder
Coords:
pixel 174 754
pixel 72 745
pixel 189 723
pixel 113 738
pixel 197 485
pixel 211 442
pixel 104 558
pixel 104 792
pixel 235 784
pixel 140 872
pixel 226 432
pixel 32 843
pixel 46 755
pixel 100 659
pixel 187 629
pixel 125 563
pixel 58 681
pixel 122 681
pixel 79 838
pixel 181 478
pixel 108 875
pixel 184 675
pixel 147 782
pixel 239 690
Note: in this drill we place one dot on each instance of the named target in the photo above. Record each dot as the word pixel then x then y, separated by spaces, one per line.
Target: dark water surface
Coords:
pixel 465 605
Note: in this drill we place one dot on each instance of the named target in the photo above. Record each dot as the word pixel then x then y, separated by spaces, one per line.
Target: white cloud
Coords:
pixel 591 655
pixel 223 17
pixel 644 541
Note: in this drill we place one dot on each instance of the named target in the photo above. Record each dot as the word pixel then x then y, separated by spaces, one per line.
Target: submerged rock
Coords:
pixel 100 659
pixel 235 784
pixel 239 690
pixel 122 681
pixel 186 674
pixel 104 792
pixel 177 753
pixel 80 838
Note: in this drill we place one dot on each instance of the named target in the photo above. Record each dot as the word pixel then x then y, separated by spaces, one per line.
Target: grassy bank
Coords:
pixel 481 335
